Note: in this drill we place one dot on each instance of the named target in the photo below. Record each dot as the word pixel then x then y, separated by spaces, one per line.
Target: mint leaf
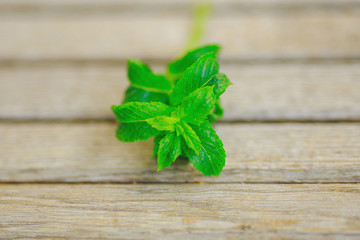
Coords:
pixel 176 109
pixel 157 140
pixel 196 106
pixel 190 137
pixel 220 82
pixel 140 111
pixel 136 131
pixel 145 85
pixel 180 65
pixel 163 123
pixel 141 76
pixel 217 113
pixel 169 150
pixel 211 158
pixel 134 94
pixel 196 76
pixel 132 117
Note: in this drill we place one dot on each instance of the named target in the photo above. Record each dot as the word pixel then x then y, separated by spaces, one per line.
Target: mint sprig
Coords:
pixel 176 109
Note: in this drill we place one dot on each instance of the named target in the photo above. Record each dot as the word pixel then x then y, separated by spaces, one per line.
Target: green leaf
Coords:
pixel 220 82
pixel 211 158
pixel 145 85
pixel 157 140
pixel 163 123
pixel 132 117
pixel 196 106
pixel 179 66
pixel 190 137
pixel 140 111
pixel 136 131
pixel 217 112
pixel 169 150
pixel 141 76
pixel 196 76
pixel 134 94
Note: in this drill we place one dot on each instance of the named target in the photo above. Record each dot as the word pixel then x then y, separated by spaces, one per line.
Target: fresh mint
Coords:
pixel 179 66
pixel 195 76
pixel 211 158
pixel 145 85
pixel 133 118
pixel 169 150
pixel 176 109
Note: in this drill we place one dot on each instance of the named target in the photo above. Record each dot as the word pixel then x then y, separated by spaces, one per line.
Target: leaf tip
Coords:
pixel 113 107
pixel 159 168
pixel 130 61
pixel 217 174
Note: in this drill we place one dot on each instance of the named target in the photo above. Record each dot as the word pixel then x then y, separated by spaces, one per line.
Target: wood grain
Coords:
pixel 78 152
pixel 145 8
pixel 207 211
pixel 260 92
pixel 64 60
pixel 42 9
pixel 289 33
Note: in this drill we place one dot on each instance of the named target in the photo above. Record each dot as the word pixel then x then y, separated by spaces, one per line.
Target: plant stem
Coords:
pixel 201 17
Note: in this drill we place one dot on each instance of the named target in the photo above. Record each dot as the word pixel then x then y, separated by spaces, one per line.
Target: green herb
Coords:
pixel 177 109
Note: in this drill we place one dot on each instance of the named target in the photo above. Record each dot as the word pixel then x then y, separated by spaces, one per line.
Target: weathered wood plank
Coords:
pixel 260 92
pixel 141 8
pixel 72 152
pixel 231 211
pixel 317 33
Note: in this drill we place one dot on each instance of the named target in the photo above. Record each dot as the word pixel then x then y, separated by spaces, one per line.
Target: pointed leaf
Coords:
pixel 140 111
pixel 220 82
pixel 134 94
pixel 217 113
pixel 145 85
pixel 157 140
pixel 211 158
pixel 180 65
pixel 196 76
pixel 136 131
pixel 190 137
pixel 132 117
pixel 141 76
pixel 163 123
pixel 169 150
pixel 196 106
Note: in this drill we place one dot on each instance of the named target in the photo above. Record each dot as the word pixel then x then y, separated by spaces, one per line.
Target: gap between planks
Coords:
pixel 2 183
pixel 121 62
pixel 219 122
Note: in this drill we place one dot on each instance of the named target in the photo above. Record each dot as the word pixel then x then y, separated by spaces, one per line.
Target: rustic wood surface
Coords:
pixel 23 39
pixel 260 92
pixel 279 29
pixel 193 211
pixel 294 174
pixel 76 152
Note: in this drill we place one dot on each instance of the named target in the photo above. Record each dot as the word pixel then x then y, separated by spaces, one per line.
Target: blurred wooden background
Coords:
pixel 291 127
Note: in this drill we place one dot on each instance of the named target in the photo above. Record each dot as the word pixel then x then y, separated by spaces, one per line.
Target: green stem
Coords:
pixel 201 17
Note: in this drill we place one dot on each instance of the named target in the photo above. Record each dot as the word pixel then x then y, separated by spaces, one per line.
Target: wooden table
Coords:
pixel 291 128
